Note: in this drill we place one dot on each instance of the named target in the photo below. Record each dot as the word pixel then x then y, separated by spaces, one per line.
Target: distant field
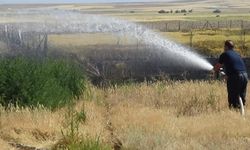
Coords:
pixel 202 10
pixel 206 42
pixel 149 11
pixel 153 16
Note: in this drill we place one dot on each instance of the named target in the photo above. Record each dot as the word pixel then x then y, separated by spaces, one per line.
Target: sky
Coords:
pixel 72 1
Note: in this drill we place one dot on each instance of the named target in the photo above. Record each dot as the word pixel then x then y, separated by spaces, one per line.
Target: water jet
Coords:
pixel 71 22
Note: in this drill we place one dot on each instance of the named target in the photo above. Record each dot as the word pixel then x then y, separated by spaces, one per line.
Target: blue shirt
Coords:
pixel 232 62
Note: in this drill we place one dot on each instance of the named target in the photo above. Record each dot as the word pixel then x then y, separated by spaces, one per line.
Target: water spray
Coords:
pixel 58 22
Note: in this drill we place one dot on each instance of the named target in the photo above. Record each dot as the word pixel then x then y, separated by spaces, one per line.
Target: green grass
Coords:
pixel 32 82
pixel 89 144
pixel 72 137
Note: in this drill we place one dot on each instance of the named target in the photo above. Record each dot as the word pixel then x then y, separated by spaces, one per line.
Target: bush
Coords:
pixel 161 11
pixel 89 144
pixel 29 81
pixel 177 11
pixel 217 11
pixel 183 11
pixel 72 137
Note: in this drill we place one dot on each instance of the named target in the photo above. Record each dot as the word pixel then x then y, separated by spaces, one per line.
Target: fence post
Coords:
pixel 242 25
pixel 205 26
pixel 45 47
pixel 230 24
pixel 166 27
pixel 244 37
pixel 179 26
pixel 20 37
pixel 191 38
pixel 241 36
pixel 118 41
pixel 6 30
pixel 6 34
pixel 243 40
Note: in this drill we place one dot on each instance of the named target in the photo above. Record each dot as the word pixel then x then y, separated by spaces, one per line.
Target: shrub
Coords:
pixel 183 11
pixel 89 144
pixel 161 11
pixel 29 81
pixel 217 11
pixel 72 138
pixel 177 11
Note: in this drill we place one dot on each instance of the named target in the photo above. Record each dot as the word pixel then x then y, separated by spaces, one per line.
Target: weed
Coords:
pixel 29 81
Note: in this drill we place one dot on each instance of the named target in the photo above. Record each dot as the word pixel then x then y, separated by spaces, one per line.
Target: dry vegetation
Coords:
pixel 206 42
pixel 210 42
pixel 163 115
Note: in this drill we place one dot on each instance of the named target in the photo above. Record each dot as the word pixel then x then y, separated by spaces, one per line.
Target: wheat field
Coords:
pixel 163 115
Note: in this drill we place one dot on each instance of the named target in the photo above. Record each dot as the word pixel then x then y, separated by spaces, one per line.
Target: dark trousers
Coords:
pixel 236 87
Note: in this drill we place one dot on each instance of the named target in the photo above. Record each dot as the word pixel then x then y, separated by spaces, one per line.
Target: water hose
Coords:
pixel 242 110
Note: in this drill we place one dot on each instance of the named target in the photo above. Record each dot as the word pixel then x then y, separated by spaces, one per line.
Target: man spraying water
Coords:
pixel 237 77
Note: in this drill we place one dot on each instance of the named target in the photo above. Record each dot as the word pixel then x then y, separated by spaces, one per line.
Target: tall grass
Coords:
pixel 210 42
pixel 72 137
pixel 32 82
pixel 163 115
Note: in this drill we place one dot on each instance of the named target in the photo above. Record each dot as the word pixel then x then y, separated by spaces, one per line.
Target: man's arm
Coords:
pixel 218 65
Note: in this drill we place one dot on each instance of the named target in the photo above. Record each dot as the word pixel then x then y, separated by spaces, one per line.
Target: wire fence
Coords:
pixel 240 28
pixel 183 25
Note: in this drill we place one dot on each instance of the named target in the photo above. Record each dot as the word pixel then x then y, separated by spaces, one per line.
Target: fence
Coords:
pixel 113 64
pixel 19 41
pixel 191 27
pixel 183 25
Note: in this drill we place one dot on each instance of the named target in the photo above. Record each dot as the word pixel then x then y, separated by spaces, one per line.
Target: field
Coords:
pixel 154 114
pixel 164 115
pixel 206 42
pixel 207 39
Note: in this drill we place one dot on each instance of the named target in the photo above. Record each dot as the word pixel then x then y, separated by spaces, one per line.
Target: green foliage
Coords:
pixel 48 82
pixel 72 138
pixel 73 119
pixel 89 144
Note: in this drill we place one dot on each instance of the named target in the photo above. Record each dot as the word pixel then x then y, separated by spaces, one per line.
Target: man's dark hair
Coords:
pixel 229 44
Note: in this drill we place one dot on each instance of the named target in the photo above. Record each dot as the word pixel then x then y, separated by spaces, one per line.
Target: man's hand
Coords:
pixel 217 67
pixel 216 70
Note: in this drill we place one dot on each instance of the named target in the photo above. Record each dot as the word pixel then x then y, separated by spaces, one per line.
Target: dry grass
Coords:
pixel 207 42
pixel 165 115
pixel 211 42
pixel 86 39
pixel 148 11
pixel 189 115
pixel 42 128
pixel 231 10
